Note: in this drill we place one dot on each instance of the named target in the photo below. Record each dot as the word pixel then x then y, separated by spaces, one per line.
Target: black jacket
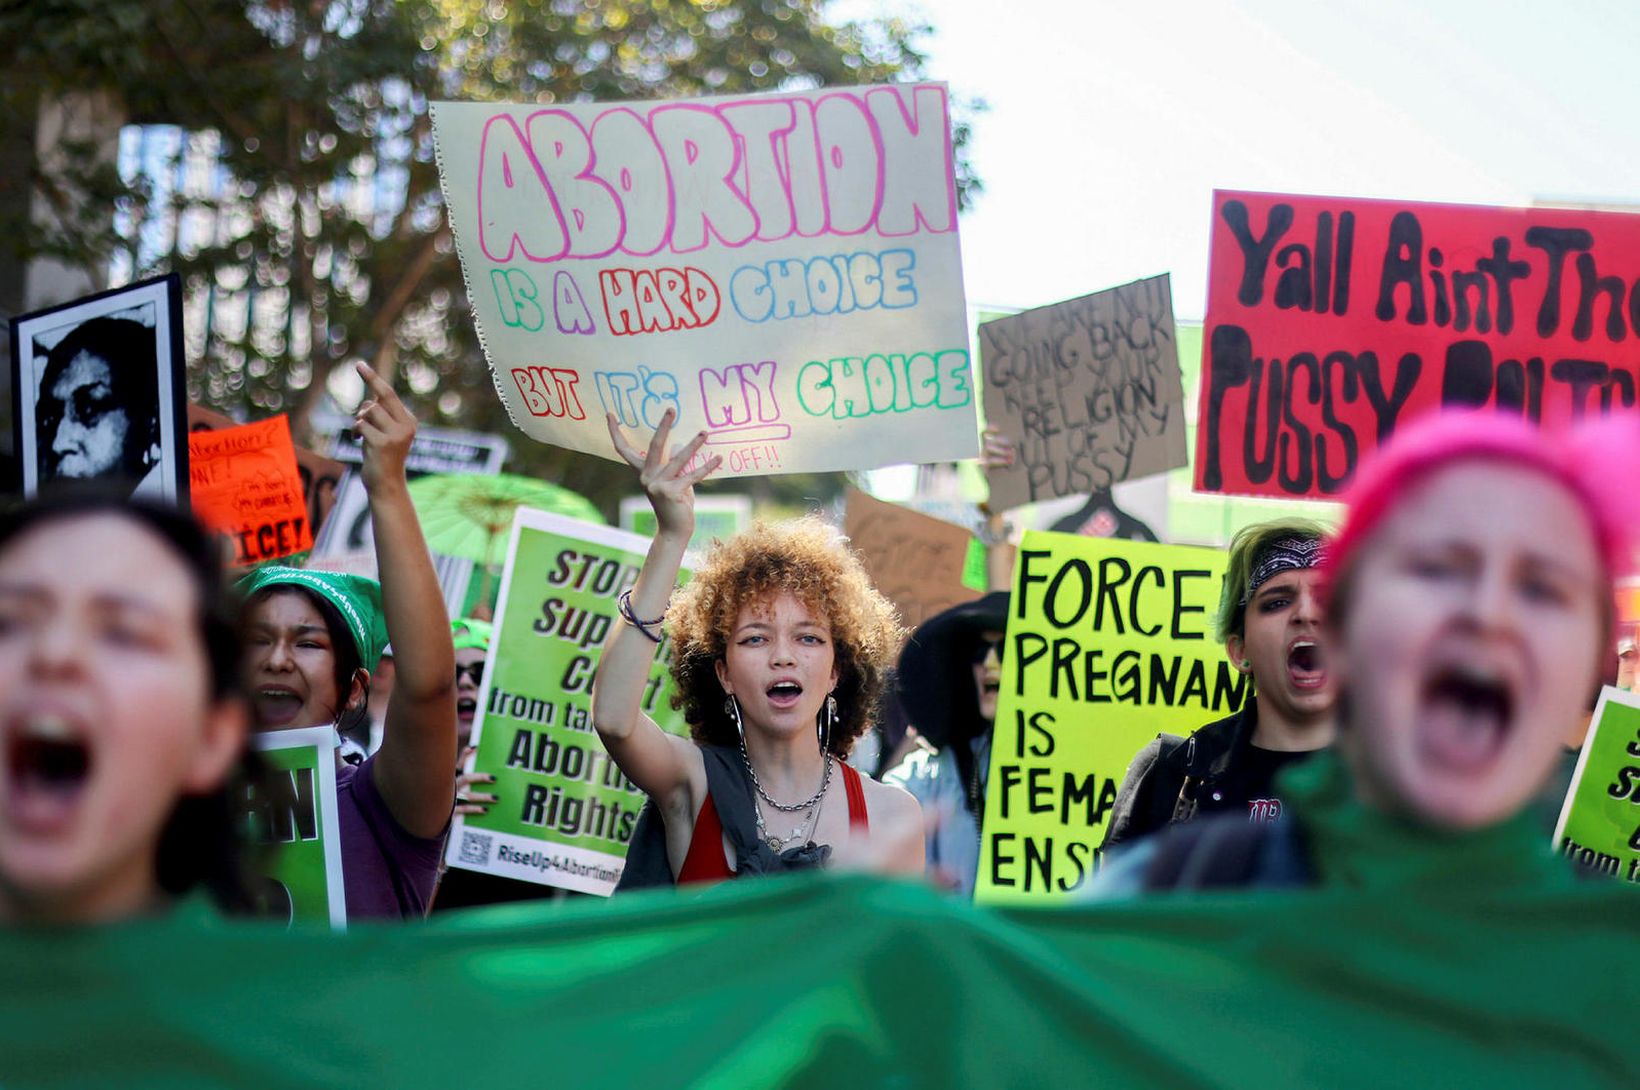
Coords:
pixel 1173 778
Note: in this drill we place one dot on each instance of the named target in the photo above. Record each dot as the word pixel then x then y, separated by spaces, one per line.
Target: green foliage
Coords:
pixel 319 236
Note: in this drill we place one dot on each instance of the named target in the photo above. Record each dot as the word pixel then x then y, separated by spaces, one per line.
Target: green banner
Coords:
pixel 1109 643
pixel 1600 824
pixel 846 981
pixel 296 815
pixel 566 813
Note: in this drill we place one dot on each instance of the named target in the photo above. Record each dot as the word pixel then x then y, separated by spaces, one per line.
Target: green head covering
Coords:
pixel 471 633
pixel 357 599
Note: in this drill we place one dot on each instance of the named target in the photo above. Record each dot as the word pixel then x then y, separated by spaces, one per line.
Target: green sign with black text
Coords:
pixel 565 813
pixel 1600 823
pixel 294 814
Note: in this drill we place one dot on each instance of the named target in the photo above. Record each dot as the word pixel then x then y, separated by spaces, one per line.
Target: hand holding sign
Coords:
pixel 468 801
pixel 997 451
pixel 669 483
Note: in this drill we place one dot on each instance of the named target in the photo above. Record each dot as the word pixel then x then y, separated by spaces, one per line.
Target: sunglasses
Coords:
pixel 473 670
pixel 984 648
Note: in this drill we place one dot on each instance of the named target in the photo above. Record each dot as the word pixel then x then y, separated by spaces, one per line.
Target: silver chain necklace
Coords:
pixel 800 833
pixel 764 795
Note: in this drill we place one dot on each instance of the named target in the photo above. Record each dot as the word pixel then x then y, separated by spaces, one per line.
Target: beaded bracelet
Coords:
pixel 624 603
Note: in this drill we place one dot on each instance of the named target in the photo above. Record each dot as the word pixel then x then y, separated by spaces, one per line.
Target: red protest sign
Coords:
pixel 244 482
pixel 1331 322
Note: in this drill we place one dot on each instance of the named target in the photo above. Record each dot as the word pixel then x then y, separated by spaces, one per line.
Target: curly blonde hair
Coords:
pixel 808 558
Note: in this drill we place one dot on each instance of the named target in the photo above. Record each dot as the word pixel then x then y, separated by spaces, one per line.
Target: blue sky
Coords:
pixel 1111 123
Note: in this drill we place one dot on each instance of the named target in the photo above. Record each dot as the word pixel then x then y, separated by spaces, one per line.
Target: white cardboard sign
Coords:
pixel 782 270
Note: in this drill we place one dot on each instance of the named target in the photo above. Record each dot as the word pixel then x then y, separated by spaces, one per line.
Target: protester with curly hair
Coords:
pixel 780 644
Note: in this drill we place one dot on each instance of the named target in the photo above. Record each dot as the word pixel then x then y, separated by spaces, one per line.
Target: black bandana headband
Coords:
pixel 1289 554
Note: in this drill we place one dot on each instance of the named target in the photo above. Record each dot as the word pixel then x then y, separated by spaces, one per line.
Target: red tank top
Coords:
pixel 705 861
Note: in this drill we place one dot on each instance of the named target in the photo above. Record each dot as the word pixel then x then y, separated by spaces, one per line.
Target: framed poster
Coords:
pixel 99 391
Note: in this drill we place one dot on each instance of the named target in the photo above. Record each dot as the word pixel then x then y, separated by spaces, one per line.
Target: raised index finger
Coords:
pixel 385 397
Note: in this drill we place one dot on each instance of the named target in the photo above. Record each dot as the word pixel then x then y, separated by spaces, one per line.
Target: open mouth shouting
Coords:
pixel 278 706
pixel 47 765
pixel 784 693
pixel 1306 666
pixel 466 709
pixel 1466 712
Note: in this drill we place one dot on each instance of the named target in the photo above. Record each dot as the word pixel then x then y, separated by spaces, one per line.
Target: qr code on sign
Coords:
pixel 475 847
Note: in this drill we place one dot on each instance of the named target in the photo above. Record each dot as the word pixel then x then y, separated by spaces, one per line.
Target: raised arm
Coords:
pixel 418 752
pixel 667 768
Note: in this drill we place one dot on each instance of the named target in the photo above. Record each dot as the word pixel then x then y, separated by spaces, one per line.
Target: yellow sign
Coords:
pixel 1109 643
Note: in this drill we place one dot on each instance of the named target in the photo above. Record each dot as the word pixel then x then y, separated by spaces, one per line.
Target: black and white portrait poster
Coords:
pixel 99 391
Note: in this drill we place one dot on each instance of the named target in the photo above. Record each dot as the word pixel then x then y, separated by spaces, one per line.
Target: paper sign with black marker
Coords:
pixel 1088 389
pixel 1109 643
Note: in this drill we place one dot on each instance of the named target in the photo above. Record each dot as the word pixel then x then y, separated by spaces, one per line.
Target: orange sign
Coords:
pixel 321 476
pixel 244 482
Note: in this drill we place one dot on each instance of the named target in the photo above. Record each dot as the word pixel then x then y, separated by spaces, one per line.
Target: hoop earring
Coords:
pixel 826 727
pixel 731 708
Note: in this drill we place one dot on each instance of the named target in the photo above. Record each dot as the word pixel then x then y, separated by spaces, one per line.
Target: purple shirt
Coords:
pixel 386 872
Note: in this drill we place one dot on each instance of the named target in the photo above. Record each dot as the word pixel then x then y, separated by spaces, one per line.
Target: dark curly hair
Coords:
pixel 808 558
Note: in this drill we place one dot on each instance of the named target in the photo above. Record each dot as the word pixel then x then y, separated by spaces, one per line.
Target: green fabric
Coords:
pixel 846 981
pixel 1358 847
pixel 471 634
pixel 357 599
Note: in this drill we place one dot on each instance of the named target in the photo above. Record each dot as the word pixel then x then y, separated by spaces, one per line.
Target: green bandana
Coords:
pixel 357 599
pixel 470 633
pixel 1359 847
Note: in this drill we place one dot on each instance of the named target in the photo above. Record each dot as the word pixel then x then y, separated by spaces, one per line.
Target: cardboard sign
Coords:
pixel 303 881
pixel 1332 322
pixel 1599 825
pixel 918 562
pixel 321 476
pixel 1089 390
pixel 1109 643
pixel 566 813
pixel 244 482
pixel 782 270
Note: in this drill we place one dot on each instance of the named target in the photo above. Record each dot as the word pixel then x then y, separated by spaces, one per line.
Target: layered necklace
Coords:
pixel 809 808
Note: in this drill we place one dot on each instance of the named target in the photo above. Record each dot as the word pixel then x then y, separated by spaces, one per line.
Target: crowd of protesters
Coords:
pixel 1416 678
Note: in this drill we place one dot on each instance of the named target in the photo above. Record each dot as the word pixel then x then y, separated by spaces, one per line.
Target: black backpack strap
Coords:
pixel 647 865
pixel 731 791
pixel 731 788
